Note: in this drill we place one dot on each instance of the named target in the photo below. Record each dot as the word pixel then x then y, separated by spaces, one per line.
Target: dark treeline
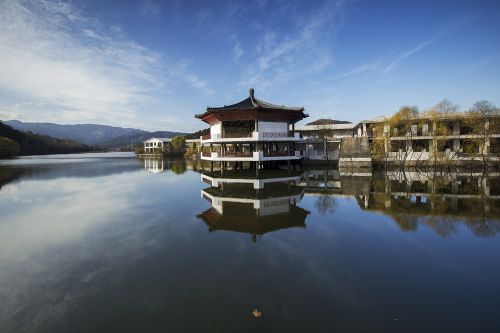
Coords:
pixel 34 144
pixel 196 135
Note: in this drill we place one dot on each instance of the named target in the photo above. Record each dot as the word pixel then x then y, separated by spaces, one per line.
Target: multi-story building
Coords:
pixel 157 145
pixel 251 131
pixel 164 145
pixel 322 138
pixel 432 137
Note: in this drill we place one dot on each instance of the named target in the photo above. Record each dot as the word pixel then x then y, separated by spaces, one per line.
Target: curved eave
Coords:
pixel 257 111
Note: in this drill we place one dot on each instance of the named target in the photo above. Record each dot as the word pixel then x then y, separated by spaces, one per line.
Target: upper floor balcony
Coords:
pixel 250 136
pixel 251 156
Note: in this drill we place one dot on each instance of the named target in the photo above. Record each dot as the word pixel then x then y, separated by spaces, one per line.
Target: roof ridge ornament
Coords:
pixel 251 94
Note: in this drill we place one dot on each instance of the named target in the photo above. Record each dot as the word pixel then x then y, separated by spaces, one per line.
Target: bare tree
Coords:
pixel 483 121
pixel 325 204
pixel 403 131
pixel 439 115
pixel 324 132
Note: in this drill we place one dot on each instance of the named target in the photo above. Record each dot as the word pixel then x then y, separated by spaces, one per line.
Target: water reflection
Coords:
pixel 438 201
pixel 71 165
pixel 154 165
pixel 441 201
pixel 91 242
pixel 159 165
pixel 256 205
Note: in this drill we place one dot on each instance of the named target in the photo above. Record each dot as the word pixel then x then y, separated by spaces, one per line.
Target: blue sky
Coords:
pixel 154 64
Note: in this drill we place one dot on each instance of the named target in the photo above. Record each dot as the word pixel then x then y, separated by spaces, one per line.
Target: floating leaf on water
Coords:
pixel 256 313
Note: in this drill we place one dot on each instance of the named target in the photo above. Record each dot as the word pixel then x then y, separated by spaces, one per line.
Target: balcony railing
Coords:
pixel 238 154
pixel 277 135
pixel 234 135
pixel 252 134
pixel 279 153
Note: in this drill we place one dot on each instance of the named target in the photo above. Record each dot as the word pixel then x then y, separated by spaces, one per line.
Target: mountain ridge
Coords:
pixel 90 134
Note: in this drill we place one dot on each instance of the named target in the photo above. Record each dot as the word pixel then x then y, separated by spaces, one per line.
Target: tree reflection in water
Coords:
pixel 325 204
pixel 441 202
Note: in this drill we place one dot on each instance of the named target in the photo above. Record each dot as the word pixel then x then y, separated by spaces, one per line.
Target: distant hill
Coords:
pixel 35 144
pixel 90 134
pixel 129 139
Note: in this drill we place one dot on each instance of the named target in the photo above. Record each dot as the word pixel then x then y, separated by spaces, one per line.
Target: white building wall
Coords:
pixel 216 130
pixel 268 126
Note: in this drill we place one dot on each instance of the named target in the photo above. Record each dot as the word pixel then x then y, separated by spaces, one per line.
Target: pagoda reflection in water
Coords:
pixel 243 203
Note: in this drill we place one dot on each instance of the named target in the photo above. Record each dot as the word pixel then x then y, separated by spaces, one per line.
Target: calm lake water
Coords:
pixel 109 243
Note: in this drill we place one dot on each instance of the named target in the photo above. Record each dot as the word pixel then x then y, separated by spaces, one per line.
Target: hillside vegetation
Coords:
pixel 34 144
pixel 8 147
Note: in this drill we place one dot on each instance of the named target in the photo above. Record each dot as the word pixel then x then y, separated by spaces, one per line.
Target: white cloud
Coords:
pixel 80 69
pixel 237 51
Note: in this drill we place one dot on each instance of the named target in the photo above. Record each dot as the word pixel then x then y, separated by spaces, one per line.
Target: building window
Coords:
pixel 414 129
pixel 425 129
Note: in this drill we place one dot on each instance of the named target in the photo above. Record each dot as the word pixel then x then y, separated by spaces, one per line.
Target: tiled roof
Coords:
pixel 322 127
pixel 252 103
pixel 323 121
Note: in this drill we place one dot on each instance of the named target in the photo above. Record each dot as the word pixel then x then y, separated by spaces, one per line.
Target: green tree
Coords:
pixel 178 144
pixel 8 148
pixel 139 148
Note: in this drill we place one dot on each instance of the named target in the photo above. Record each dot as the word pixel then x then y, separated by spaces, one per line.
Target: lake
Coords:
pixel 110 243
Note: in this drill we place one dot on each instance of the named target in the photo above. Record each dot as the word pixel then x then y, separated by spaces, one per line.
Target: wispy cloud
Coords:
pixel 360 69
pixel 281 58
pixel 424 44
pixel 151 7
pixel 393 64
pixel 237 51
pixel 483 61
pixel 77 67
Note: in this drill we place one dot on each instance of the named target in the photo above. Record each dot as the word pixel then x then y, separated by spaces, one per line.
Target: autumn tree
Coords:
pixel 401 126
pixel 192 150
pixel 483 121
pixel 439 115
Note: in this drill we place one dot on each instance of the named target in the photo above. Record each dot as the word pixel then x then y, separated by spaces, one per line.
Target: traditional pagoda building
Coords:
pixel 251 131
